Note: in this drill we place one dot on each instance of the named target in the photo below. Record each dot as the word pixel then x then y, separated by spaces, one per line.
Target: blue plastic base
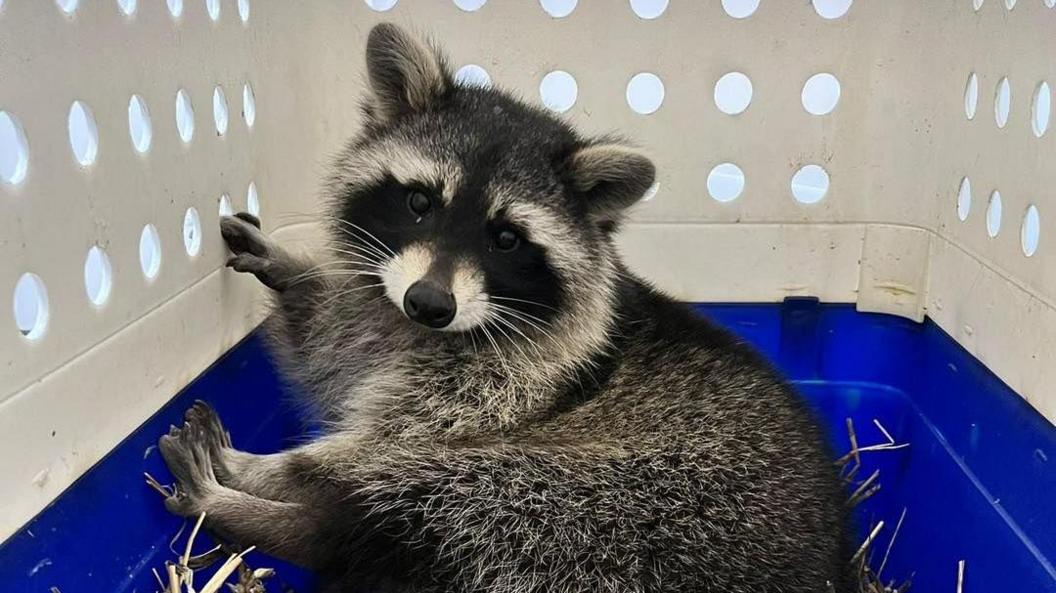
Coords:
pixel 976 481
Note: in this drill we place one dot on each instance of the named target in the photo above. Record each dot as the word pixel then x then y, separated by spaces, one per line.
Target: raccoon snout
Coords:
pixel 429 305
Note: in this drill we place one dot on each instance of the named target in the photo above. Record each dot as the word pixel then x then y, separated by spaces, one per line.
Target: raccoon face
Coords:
pixel 471 210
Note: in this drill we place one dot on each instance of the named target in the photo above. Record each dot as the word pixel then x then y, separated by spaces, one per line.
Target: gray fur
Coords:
pixel 625 445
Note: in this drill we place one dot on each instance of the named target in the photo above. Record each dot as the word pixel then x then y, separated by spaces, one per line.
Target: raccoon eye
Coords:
pixel 419 203
pixel 507 240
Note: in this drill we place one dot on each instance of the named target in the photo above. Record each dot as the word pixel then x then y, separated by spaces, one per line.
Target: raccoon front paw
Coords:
pixel 255 253
pixel 186 452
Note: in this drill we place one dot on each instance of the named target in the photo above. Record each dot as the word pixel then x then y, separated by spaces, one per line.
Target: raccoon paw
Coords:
pixel 217 440
pixel 186 452
pixel 242 234
pixel 255 252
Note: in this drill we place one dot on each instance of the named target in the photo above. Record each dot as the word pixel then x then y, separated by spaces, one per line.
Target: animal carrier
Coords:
pixel 861 189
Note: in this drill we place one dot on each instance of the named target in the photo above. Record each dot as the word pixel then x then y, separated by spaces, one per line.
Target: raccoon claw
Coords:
pixel 216 439
pixel 186 452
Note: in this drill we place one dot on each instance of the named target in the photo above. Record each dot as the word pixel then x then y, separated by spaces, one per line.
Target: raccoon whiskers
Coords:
pixel 355 227
pixel 360 257
pixel 525 301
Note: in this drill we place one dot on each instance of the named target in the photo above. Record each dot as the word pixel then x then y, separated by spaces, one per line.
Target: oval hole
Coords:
pixel 1039 113
pixel 964 199
pixel 213 8
pixel 645 93
pixel 648 9
pixel 14 150
pixel 473 75
pixel 810 184
pixel 733 93
pixel 127 7
pixel 243 10
pixel 380 5
pixel 139 128
pixel 1002 102
pixel 470 5
pixel 220 111
pixel 971 95
pixel 84 136
pixel 98 276
pixel 558 9
pixel 651 192
pixel 149 252
pixel 226 209
pixel 67 6
pixel 740 9
pixel 558 91
pixel 184 116
pixel 993 215
pixel 31 306
pixel 249 105
pixel 831 9
pixel 253 200
pixel 192 232
pixel 1030 234
pixel 725 182
pixel 175 8
pixel 820 94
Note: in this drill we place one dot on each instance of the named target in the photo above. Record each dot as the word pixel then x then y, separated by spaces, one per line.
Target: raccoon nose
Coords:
pixel 429 305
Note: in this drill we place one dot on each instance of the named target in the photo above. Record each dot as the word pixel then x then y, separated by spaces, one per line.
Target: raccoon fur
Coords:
pixel 507 408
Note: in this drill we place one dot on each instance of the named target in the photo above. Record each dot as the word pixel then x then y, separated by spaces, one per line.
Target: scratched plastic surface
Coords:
pixel 976 482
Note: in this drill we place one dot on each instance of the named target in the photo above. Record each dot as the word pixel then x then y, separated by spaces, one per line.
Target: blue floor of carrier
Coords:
pixel 975 482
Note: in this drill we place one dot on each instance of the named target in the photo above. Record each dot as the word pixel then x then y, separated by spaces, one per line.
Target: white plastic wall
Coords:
pixel 886 233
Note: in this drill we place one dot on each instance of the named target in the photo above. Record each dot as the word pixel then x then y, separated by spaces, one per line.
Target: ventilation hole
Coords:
pixel 213 7
pixel 971 95
pixel 558 9
pixel 1030 233
pixel 184 116
pixel 1050 3
pixel 98 276
pixel 192 232
pixel 149 252
pixel 964 199
pixel 651 192
pixel 473 75
pixel 726 182
pixel 1039 113
pixel 226 209
pixel 645 93
pixel 249 105
pixel 243 10
pixel 31 306
pixel 558 91
pixel 810 184
pixel 380 5
pixel 139 124
pixel 977 4
pixel 470 5
pixel 253 200
pixel 175 8
pixel 14 150
pixel 993 214
pixel 220 111
pixel 831 9
pixel 733 93
pixel 84 136
pixel 1010 4
pixel 1002 102
pixel 648 9
pixel 820 94
pixel 740 9
pixel 67 6
pixel 128 7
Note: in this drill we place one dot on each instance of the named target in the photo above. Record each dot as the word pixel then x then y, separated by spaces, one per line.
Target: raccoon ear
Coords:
pixel 406 74
pixel 611 177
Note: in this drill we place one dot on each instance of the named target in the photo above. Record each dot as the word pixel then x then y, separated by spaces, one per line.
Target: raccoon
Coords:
pixel 507 407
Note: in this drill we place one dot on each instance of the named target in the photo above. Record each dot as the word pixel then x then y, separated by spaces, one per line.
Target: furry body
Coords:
pixel 590 434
